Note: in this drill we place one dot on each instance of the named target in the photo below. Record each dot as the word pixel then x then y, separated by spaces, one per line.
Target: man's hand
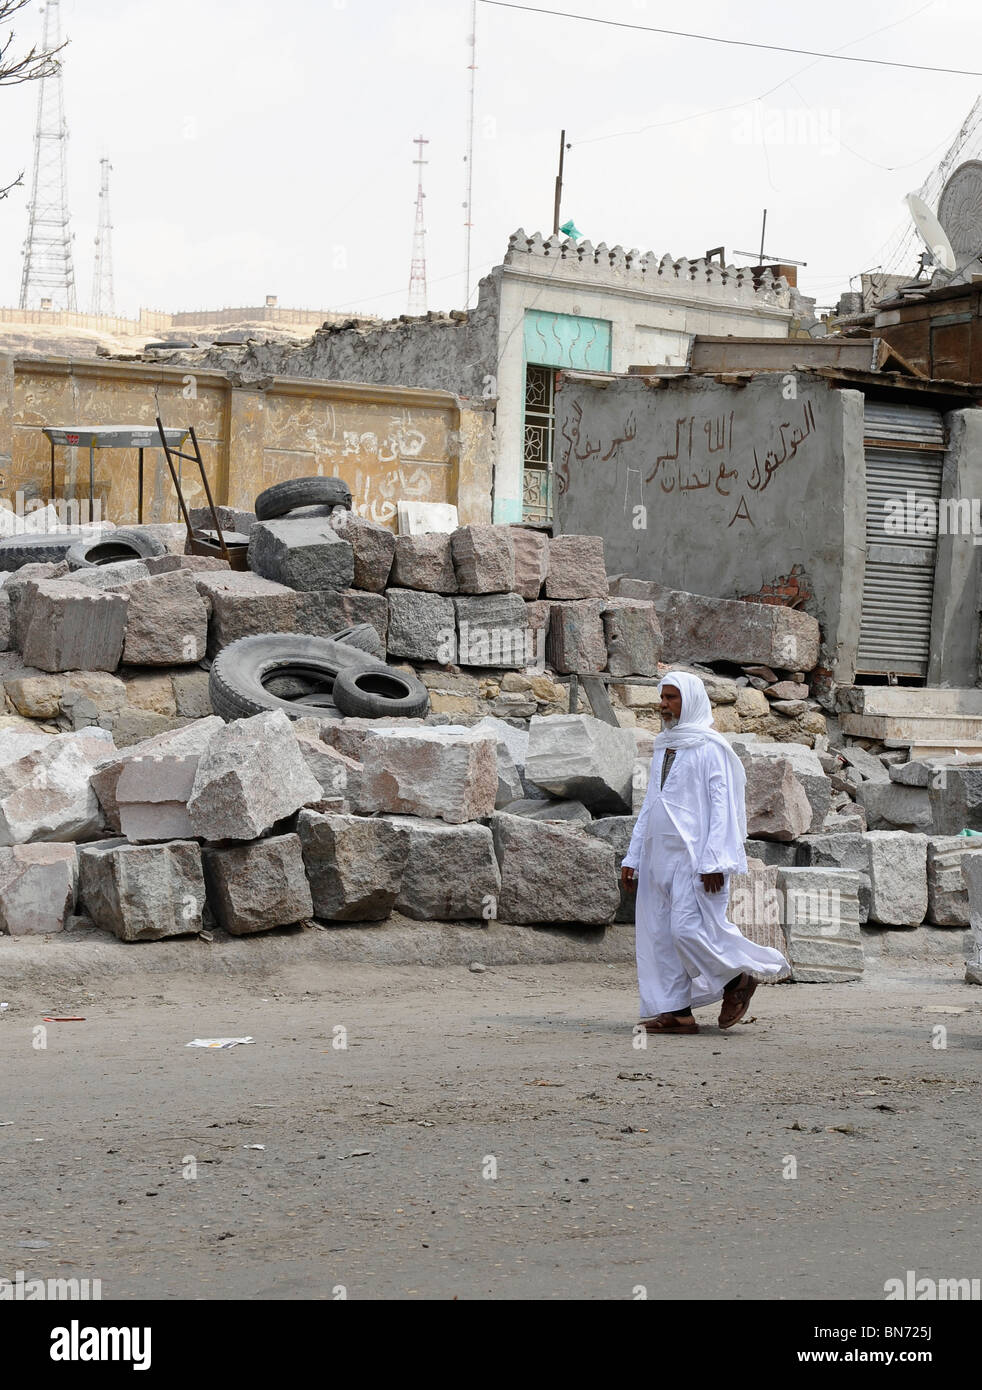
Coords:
pixel 712 882
pixel 629 879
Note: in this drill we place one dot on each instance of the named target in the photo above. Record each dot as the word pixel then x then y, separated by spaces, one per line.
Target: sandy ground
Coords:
pixel 489 1136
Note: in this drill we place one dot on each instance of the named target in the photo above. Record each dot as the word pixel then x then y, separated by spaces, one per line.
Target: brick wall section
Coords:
pixel 790 590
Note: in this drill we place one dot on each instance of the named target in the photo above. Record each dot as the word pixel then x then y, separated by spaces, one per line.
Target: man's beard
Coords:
pixel 668 721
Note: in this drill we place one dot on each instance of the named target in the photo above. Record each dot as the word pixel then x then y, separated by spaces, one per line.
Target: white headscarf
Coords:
pixel 694 729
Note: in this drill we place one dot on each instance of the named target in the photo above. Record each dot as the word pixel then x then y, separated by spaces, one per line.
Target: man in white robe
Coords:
pixel 688 840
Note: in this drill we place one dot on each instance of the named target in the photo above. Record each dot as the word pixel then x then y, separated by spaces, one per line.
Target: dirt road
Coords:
pixel 433 1133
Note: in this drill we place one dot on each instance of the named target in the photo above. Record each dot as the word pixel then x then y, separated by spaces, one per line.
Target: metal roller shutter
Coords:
pixel 904 457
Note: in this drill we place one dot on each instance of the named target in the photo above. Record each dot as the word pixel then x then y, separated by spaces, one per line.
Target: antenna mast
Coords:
pixel 103 299
pixel 48 271
pixel 417 274
pixel 469 157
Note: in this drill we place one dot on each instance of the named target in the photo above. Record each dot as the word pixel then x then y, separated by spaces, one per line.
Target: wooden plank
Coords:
pixel 596 693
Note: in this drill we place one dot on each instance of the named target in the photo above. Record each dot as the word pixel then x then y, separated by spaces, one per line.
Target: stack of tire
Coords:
pixel 311 677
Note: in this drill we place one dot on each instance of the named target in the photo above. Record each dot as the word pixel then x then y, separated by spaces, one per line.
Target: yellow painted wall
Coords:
pixel 387 443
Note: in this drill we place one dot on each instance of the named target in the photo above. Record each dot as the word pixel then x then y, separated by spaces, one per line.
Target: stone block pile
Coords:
pixel 124 799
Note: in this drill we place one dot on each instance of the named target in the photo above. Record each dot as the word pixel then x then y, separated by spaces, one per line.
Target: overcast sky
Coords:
pixel 266 148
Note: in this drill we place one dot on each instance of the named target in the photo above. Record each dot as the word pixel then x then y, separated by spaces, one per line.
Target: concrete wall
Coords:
pixel 734 491
pixel 388 443
pixel 655 305
pixel 957 571
pixel 442 353
pixel 707 487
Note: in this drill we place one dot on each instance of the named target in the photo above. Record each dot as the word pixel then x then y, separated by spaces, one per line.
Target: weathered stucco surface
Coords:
pixel 754 491
pixel 388 443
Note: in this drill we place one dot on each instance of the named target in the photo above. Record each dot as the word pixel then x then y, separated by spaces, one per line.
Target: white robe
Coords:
pixel 687 950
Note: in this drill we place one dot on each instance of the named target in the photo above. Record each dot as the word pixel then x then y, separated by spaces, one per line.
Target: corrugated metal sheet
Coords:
pixel 910 424
pixel 903 485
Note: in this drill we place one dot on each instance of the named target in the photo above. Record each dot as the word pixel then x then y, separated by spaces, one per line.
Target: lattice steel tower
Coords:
pixel 417 275
pixel 48 270
pixel 103 299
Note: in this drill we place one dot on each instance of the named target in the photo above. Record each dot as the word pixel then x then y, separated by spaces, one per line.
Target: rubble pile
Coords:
pixel 125 801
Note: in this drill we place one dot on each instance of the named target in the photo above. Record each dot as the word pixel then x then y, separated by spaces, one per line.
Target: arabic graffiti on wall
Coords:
pixel 702 456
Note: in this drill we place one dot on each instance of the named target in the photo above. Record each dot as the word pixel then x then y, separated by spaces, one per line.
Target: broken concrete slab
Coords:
pixel 898 877
pixel 373 547
pixel 531 551
pixel 132 726
pixel 68 627
pixel 838 850
pixel 244 605
pixel 424 562
pixel 168 564
pixel 947 896
pixel 492 631
pixel 191 695
pixel 866 764
pixel 333 771
pixel 191 740
pixel 696 627
pixel 772 853
pixel 534 808
pixel 251 775
pixel 805 763
pixel 323 612
pixel 425 772
pixel 37 888
pixel 777 806
pixel 616 831
pixel 422 626
pixel 451 874
pixel 633 637
pixel 303 554
pixel 166 623
pixel 576 757
pixel 921 772
pixel 972 870
pixel 483 559
pixel 955 796
pixel 576 568
pixel 111 577
pixel 755 905
pixel 553 873
pixel 821 924
pixel 142 892
pixel 538 615
pixel 256 887
pixel 229 519
pixel 44 787
pixel 354 865
pixel 575 642
pixel 152 795
pixel 893 806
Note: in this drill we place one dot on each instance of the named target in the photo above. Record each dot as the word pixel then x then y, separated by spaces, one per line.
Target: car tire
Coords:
pixel 364 637
pixel 242 672
pixel 40 549
pixel 301 492
pixel 125 543
pixel 282 498
pixel 374 693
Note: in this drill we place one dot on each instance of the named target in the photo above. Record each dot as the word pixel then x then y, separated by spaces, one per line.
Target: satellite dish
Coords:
pixel 932 232
pixel 960 210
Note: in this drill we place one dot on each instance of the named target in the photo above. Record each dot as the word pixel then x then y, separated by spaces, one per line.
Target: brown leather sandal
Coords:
pixel 736 1001
pixel 668 1023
